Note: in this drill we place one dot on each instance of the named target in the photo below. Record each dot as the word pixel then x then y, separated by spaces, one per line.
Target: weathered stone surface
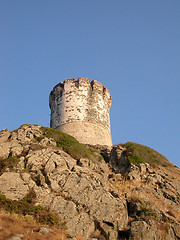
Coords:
pixel 176 228
pixel 111 210
pixel 4 150
pixel 46 141
pixel 81 224
pixel 66 209
pixel 140 230
pixel 81 109
pixel 44 196
pixel 20 235
pixel 4 135
pixel 89 192
pixel 14 238
pixel 108 231
pixel 38 158
pixel 14 148
pixel 13 186
pixel 170 234
pixel 92 196
pixel 85 162
pixel 44 230
pixel 119 163
pixel 27 133
pixel 143 168
pixel 155 178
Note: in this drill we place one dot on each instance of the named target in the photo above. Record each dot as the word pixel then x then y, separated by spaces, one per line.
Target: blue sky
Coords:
pixel 131 46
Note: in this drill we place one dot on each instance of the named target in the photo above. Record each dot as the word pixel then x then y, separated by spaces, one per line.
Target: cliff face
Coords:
pixel 109 197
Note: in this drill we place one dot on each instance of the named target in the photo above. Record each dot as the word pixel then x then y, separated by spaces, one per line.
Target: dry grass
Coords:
pixel 146 194
pixel 172 171
pixel 126 186
pixel 12 225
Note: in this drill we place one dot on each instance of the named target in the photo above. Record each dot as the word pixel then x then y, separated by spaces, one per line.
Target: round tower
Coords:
pixel 81 109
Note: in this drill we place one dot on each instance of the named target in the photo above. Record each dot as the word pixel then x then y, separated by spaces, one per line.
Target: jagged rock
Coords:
pixel 104 150
pixel 16 150
pixel 66 208
pixel 27 133
pixel 13 148
pixel 170 233
pixel 46 141
pixel 89 194
pixel 134 207
pixel 13 136
pixel 41 180
pixel 118 161
pixel 44 230
pixel 81 224
pixel 4 135
pixel 43 195
pixel 155 178
pixel 20 235
pixel 134 173
pixel 143 168
pixel 140 230
pixel 14 238
pixel 4 150
pixel 108 231
pixel 38 158
pixel 176 228
pixel 118 177
pixel 13 186
pixel 110 210
pixel 84 162
pixel 133 176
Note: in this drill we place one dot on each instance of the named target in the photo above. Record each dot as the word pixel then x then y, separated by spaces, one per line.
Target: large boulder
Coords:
pixel 141 230
pixel 15 185
pixel 4 135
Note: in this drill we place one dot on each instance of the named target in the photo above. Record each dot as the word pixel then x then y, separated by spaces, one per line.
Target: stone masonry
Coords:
pixel 81 109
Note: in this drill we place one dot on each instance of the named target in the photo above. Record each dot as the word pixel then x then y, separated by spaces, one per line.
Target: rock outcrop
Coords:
pixel 97 199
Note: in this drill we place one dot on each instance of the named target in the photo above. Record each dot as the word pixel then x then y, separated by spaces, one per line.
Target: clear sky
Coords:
pixel 131 46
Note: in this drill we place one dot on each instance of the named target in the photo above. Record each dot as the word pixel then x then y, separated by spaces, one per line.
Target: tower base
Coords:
pixel 87 133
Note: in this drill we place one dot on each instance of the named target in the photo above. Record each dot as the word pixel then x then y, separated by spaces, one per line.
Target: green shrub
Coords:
pixel 9 162
pixel 135 159
pixel 27 206
pixel 139 208
pixel 68 143
pixel 137 153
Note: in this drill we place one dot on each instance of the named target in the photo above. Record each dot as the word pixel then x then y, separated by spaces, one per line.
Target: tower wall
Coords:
pixel 81 109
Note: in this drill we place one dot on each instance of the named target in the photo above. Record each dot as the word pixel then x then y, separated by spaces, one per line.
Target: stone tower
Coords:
pixel 81 109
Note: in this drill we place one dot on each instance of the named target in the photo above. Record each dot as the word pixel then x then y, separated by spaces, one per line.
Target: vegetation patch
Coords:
pixel 137 153
pixel 138 208
pixel 9 162
pixel 26 125
pixel 68 143
pixel 27 206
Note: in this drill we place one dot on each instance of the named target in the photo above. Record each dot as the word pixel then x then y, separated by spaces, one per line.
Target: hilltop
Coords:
pixel 47 178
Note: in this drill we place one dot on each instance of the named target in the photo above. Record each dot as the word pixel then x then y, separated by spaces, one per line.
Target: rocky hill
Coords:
pixel 128 191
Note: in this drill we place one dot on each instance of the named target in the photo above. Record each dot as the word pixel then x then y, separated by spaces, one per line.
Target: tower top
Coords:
pixel 81 109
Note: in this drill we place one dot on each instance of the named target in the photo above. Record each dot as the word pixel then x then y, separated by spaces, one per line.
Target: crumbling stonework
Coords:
pixel 81 109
